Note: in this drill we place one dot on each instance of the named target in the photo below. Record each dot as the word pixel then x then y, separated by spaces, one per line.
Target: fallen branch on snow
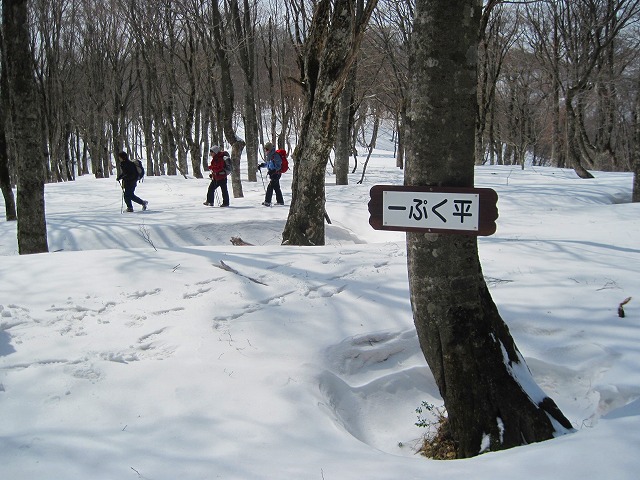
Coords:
pixel 227 268
pixel 238 242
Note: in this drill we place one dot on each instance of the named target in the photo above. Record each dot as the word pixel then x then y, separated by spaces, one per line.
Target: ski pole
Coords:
pixel 122 202
pixel 260 170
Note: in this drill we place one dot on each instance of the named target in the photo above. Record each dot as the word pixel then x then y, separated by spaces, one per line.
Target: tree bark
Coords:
pixel 635 160
pixel 345 120
pixel 573 142
pixel 636 171
pixel 32 227
pixel 227 100
pixel 343 133
pixel 482 377
pixel 245 35
pixel 330 50
pixel 5 177
pixel 5 120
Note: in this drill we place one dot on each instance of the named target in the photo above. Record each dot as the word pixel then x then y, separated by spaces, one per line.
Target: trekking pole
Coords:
pixel 260 170
pixel 122 202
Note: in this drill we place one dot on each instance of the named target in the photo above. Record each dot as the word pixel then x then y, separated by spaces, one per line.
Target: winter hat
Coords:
pixel 215 149
pixel 268 146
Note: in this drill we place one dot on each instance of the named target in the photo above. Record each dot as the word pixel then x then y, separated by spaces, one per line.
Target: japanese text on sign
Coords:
pixel 438 210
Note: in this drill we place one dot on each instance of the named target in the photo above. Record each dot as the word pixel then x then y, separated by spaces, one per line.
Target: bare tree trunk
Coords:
pixel 635 164
pixel 402 135
pixel 372 145
pixel 481 375
pixel 194 103
pixel 345 120
pixel 5 121
pixel 32 226
pixel 330 50
pixel 636 170
pixel 557 152
pixel 573 142
pixel 245 35
pixel 343 133
pixel 5 177
pixel 226 85
pixel 268 39
pixel 557 155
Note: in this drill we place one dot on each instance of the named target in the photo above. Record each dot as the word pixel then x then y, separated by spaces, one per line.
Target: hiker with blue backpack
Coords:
pixel 220 167
pixel 129 177
pixel 273 162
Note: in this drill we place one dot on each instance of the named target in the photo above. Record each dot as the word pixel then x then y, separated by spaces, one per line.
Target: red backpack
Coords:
pixel 285 163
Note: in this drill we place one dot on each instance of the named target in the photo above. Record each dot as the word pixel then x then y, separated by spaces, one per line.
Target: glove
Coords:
pixel 261 165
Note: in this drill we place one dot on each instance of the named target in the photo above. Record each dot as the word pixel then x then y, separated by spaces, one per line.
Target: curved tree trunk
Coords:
pixel 492 402
pixel 226 83
pixel 573 147
pixel 333 41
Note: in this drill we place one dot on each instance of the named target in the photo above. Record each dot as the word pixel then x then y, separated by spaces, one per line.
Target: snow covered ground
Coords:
pixel 147 346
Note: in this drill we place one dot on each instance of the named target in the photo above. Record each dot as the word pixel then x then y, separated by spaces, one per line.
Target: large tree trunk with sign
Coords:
pixel 491 400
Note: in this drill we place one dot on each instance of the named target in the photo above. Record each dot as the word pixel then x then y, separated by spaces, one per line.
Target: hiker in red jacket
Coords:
pixel 218 176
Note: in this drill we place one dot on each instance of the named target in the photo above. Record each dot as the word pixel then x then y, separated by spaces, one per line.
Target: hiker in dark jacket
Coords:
pixel 218 176
pixel 129 177
pixel 273 162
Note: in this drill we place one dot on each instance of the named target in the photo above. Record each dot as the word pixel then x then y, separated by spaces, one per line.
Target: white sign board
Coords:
pixel 438 210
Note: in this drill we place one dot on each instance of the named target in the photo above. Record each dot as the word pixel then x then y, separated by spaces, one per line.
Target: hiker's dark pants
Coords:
pixel 211 192
pixel 274 186
pixel 130 195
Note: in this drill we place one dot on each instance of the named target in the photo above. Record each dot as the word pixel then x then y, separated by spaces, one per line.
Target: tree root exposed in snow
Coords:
pixel 621 307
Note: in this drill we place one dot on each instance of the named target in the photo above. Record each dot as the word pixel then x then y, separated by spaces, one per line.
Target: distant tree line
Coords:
pixel 559 84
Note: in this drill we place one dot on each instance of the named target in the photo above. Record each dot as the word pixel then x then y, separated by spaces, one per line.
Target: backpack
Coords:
pixel 285 163
pixel 228 166
pixel 140 170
